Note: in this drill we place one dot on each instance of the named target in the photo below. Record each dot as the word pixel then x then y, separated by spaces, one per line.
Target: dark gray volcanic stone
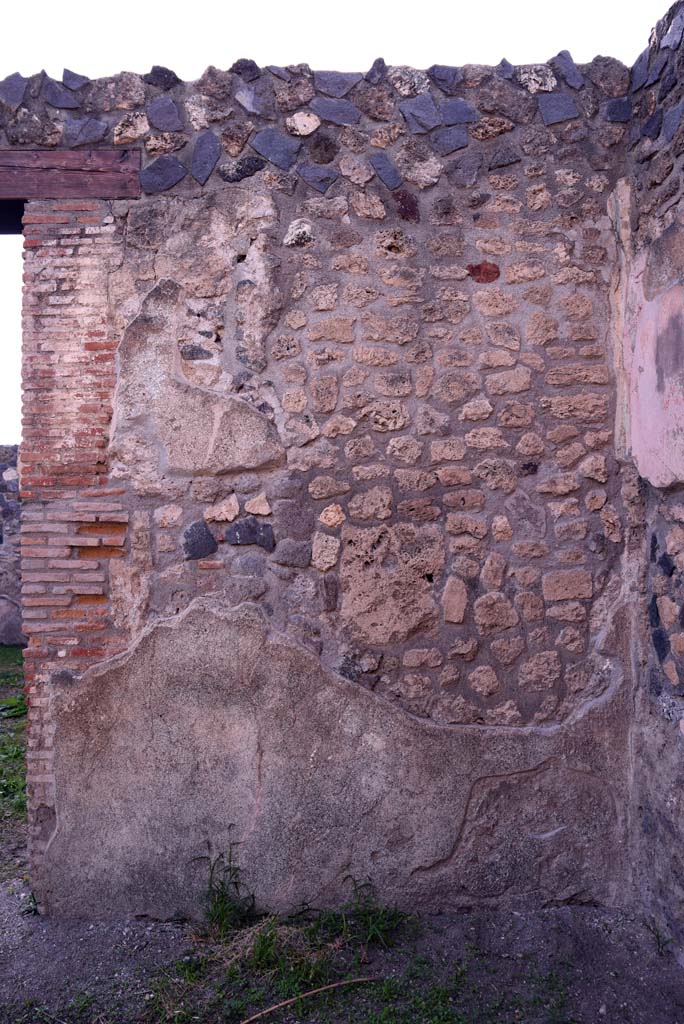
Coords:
pixel 421 114
pixel 673 36
pixel 279 149
pixel 464 171
pixel 85 132
pixel 251 531
pixel 504 156
pixel 282 73
pixel 243 167
pixel 336 83
pixel 671 120
pixel 317 176
pixel 619 111
pixel 377 72
pixel 162 78
pixel 556 107
pixel 161 175
pixel 446 78
pixel 295 553
pixel 565 66
pixel 198 541
pixel 657 69
pixel 651 129
pixel 163 114
pixel 386 171
pixel 73 81
pixel 246 69
pixel 459 112
pixel 12 90
pixel 448 140
pixel 205 156
pixel 505 69
pixel 58 96
pixel 640 71
pixel 336 111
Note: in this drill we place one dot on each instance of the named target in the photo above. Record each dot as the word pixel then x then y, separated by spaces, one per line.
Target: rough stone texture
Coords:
pixel 326 519
pixel 10 582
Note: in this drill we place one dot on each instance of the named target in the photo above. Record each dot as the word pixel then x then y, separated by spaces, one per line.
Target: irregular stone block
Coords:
pixel 73 81
pixel 205 156
pixel 565 66
pixel 247 69
pixel 336 83
pixel 12 91
pixel 446 78
pixel 458 111
pixel 243 167
pixel 162 174
pixel 340 112
pixel 251 531
pixel 85 132
pixel 295 553
pixel 619 111
pixel 56 95
pixel 386 171
pixel 377 72
pixel 162 113
pixel 448 140
pixel 640 71
pixel 198 541
pixel 556 107
pixel 320 178
pixel 420 113
pixel 277 148
pixel 161 77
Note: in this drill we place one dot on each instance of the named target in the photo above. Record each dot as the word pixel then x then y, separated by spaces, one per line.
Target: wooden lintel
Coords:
pixel 70 174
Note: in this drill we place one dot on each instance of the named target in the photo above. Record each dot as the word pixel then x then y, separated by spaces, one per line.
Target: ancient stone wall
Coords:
pixel 10 584
pixel 327 549
pixel 648 333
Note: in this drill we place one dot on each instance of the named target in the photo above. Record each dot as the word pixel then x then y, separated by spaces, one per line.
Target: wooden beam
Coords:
pixel 69 174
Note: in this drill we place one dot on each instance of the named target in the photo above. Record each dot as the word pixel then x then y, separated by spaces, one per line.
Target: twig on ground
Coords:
pixel 304 995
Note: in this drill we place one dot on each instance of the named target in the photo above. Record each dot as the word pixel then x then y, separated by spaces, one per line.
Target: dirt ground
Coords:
pixel 569 965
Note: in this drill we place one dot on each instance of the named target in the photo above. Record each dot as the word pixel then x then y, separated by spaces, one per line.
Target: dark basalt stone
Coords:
pixel 246 69
pixel 458 111
pixel 163 115
pixel 205 156
pixel 320 178
pixel 565 66
pixel 282 73
pixel 556 107
pixel 336 111
pixel 464 171
pixel 161 175
pixel 85 132
pixel 446 78
pixel 323 149
pixel 619 111
pixel 407 205
pixel 295 553
pixel 505 69
pixel 249 100
pixel 448 140
pixel 243 167
pixel 640 71
pixel 657 69
pixel 386 171
pixel 73 81
pixel 667 85
pixel 666 564
pixel 193 352
pixel 504 156
pixel 198 541
pixel 653 613
pixel 421 114
pixel 56 95
pixel 377 72
pixel 336 83
pixel 12 91
pixel 162 78
pixel 251 531
pixel 661 643
pixel 277 148
pixel 651 129
pixel 673 36
pixel 671 121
